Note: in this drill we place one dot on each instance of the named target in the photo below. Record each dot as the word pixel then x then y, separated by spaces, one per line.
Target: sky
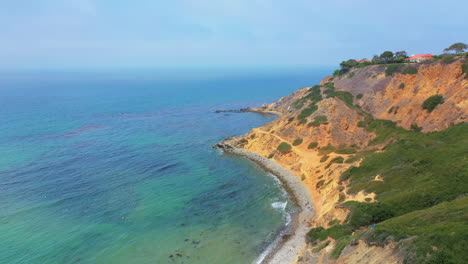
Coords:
pixel 221 33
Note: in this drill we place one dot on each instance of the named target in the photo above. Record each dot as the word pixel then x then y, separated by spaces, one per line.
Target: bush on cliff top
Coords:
pixel 284 147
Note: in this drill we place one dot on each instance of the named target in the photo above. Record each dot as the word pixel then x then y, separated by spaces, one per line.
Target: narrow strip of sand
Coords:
pixel 287 249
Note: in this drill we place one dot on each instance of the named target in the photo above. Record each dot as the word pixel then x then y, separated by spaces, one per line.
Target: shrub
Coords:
pixel 359 96
pixel 364 214
pixel 271 155
pixel 346 97
pixel 465 68
pixel 327 149
pixel 307 112
pixel 297 142
pixel 324 158
pixel 312 145
pixel 361 124
pixel 392 69
pixel 432 102
pixel 284 147
pixel 319 184
pixel 290 119
pixel 303 177
pixel 243 141
pixel 410 70
pixel 351 75
pixel 347 174
pixel 415 127
pixel 345 150
pixel 447 58
pixel 402 86
pixel 338 159
pixel 318 121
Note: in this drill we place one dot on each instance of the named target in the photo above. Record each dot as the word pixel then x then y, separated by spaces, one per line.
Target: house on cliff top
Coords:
pixel 420 57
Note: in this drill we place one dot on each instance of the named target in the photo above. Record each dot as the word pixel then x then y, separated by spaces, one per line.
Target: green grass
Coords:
pixel 432 102
pixel 419 169
pixel 440 233
pixel 297 142
pixel 284 147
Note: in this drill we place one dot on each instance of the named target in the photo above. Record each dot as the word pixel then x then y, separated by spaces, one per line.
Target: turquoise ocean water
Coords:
pixel 117 166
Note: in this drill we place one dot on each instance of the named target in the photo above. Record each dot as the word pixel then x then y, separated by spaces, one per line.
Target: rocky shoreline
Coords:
pixel 288 247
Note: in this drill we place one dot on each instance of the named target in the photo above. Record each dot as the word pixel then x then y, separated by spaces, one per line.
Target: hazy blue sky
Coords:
pixel 152 33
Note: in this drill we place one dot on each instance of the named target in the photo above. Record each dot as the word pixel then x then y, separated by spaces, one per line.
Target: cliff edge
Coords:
pixel 380 149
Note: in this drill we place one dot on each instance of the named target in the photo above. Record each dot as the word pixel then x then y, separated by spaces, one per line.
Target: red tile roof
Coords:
pixel 421 56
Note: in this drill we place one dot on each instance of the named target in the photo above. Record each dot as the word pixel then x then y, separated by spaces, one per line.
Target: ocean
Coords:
pixel 117 166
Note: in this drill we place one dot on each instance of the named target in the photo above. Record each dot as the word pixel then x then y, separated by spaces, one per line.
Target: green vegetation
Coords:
pixel 448 58
pixel 345 150
pixel 457 48
pixel 424 176
pixel 432 102
pixel 361 124
pixel 312 145
pixel 336 232
pixel 243 141
pixel 314 95
pixel 465 68
pixel 392 69
pixel 284 147
pixel 324 158
pixel 401 86
pixel 440 233
pixel 271 155
pixel 426 169
pixel 359 96
pixel 321 246
pixel 291 119
pixel 338 159
pixel 415 127
pixel 410 70
pixel 297 142
pixel 327 149
pixel 340 245
pixel 318 121
pixel 351 75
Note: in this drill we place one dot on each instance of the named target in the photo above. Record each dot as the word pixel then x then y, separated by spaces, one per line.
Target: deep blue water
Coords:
pixel 117 166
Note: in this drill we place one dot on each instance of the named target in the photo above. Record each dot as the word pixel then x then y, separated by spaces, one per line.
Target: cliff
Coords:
pixel 344 139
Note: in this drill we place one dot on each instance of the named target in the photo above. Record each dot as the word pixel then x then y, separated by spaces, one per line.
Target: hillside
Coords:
pixel 384 145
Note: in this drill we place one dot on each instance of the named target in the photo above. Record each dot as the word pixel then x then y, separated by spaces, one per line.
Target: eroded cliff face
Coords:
pixel 398 98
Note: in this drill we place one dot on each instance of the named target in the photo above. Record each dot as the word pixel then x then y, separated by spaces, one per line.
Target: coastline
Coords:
pixel 287 246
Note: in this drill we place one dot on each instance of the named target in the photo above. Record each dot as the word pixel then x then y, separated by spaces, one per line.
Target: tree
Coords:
pixel 401 54
pixel 387 56
pixel 457 48
pixel 376 59
pixel 348 65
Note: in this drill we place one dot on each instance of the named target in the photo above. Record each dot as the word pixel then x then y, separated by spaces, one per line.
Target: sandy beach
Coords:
pixel 289 245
